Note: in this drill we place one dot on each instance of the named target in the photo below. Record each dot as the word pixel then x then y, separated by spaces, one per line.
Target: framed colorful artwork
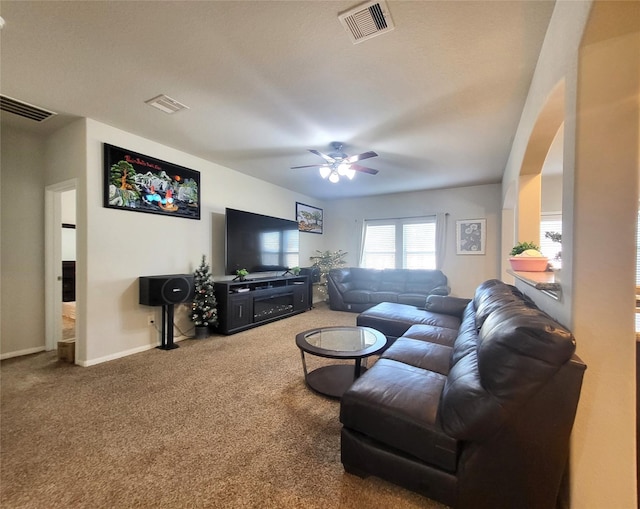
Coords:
pixel 309 218
pixel 142 183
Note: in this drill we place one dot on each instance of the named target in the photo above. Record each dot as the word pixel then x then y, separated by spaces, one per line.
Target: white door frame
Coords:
pixel 53 260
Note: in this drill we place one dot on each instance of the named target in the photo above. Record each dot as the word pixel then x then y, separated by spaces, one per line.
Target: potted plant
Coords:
pixel 295 271
pixel 526 257
pixel 556 237
pixel 325 261
pixel 241 274
pixel 204 311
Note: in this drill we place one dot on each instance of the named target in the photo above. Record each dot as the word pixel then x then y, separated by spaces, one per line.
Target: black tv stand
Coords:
pixel 250 303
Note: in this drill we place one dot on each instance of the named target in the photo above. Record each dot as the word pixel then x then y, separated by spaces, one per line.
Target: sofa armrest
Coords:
pixel 443 290
pixel 338 282
pixel 446 305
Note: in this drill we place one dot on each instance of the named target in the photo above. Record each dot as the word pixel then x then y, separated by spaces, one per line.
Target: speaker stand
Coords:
pixel 167 328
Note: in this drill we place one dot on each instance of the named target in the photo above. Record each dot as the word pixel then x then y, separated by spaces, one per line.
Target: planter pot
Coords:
pixel 528 263
pixel 202 332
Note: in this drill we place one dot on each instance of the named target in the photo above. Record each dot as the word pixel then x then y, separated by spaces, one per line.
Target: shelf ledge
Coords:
pixel 546 282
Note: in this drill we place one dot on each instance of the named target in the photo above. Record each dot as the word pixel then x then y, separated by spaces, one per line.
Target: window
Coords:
pixel 279 248
pixel 551 223
pixel 407 243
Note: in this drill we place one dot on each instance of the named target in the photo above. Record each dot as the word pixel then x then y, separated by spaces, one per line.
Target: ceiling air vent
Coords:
pixel 25 110
pixel 366 21
pixel 166 104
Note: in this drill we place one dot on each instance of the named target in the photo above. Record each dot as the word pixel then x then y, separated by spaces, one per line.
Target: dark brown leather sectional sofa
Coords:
pixel 356 289
pixel 472 405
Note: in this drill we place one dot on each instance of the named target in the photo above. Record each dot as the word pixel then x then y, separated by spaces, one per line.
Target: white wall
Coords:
pixel 604 247
pixel 123 245
pixel 344 218
pixel 551 194
pixel 22 266
pixel 600 177
pixel 114 247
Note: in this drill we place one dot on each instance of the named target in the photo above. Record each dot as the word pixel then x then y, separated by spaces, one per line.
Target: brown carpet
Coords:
pixel 222 422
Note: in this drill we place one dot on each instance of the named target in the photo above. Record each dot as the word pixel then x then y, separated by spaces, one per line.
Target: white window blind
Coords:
pixel 419 241
pixel 407 243
pixel 550 249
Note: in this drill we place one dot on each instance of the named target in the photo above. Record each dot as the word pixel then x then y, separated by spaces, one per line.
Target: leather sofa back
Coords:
pixel 356 289
pixel 506 350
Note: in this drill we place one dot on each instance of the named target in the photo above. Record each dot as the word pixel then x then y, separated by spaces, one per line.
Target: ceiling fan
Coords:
pixel 338 164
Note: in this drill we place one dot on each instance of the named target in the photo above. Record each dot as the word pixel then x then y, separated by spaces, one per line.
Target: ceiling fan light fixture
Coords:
pixel 334 178
pixel 350 173
pixel 324 172
pixel 343 168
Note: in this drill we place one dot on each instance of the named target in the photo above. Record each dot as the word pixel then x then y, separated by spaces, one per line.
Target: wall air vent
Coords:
pixel 24 110
pixel 166 104
pixel 366 21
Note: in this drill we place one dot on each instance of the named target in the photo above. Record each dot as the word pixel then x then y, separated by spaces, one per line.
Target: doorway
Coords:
pixel 60 261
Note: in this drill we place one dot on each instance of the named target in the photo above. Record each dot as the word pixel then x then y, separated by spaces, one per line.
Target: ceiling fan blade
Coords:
pixel 360 157
pixel 364 169
pixel 310 166
pixel 327 158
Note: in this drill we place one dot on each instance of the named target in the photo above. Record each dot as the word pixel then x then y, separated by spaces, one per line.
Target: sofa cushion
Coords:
pixel 366 279
pixel 356 296
pixel 426 279
pixel 383 297
pixel 420 353
pixel 433 334
pixel 394 319
pixel 393 280
pixel 412 299
pixel 515 353
pixel 494 294
pixel 519 352
pixel 397 404
pixel 467 339
pixel 446 304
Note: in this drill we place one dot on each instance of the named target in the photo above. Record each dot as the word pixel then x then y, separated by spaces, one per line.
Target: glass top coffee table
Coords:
pixel 355 343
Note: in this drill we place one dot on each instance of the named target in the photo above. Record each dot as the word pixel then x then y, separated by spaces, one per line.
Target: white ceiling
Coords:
pixel 438 98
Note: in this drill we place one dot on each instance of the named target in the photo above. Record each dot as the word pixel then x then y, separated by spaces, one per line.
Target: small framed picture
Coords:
pixel 309 218
pixel 471 236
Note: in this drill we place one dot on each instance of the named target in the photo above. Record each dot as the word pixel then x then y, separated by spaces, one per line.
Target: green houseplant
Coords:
pixel 556 237
pixel 526 257
pixel 242 273
pixel 521 247
pixel 325 261
pixel 204 310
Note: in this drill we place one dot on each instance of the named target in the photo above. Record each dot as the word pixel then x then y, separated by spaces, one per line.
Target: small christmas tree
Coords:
pixel 204 310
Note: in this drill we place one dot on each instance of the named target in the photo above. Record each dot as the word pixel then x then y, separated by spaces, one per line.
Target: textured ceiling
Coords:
pixel 438 98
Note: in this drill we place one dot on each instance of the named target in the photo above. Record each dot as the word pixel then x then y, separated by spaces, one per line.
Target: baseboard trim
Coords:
pixel 19 353
pixel 118 355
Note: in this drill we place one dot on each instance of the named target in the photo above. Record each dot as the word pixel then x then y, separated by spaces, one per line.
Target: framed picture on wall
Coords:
pixel 471 236
pixel 309 218
pixel 141 183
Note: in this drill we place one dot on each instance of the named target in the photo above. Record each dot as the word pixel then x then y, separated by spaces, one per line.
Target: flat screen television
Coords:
pixel 260 243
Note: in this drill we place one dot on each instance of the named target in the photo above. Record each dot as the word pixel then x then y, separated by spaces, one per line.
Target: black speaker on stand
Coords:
pixel 166 291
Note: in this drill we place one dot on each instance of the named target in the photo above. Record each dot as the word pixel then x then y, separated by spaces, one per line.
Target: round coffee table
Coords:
pixel 354 343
